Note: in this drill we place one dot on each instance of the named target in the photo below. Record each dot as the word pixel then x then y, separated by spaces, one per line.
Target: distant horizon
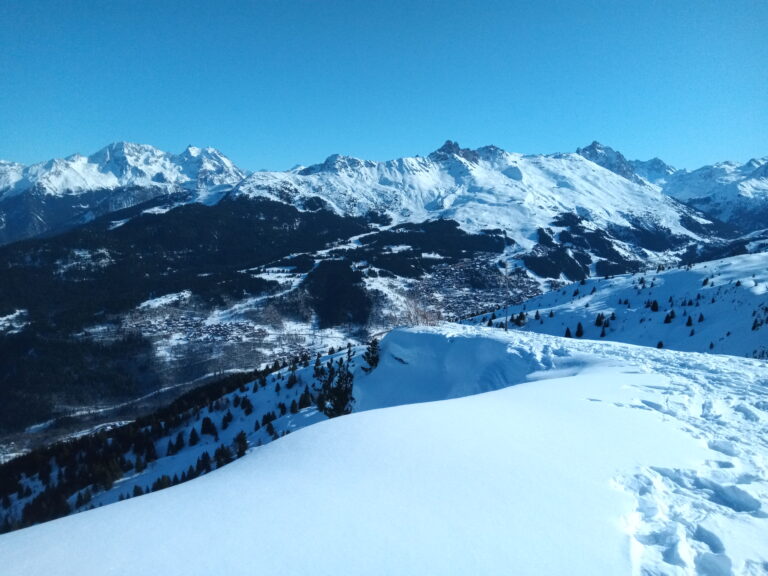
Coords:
pixel 278 83
pixel 321 159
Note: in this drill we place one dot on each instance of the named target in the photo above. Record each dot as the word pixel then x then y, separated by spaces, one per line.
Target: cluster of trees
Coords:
pixel 71 472
pixel 334 396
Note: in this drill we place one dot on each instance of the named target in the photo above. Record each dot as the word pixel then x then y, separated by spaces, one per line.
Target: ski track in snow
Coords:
pixel 680 512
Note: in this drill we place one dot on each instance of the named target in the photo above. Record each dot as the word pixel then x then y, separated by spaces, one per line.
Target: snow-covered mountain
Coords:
pixel 715 307
pixel 486 188
pixel 731 192
pixel 654 171
pixel 572 457
pixel 122 165
pixel 610 159
pixel 727 191
pixel 62 193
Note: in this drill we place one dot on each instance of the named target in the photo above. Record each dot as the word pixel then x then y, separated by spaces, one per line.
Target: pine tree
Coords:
pixel 292 378
pixel 208 427
pixel 371 355
pixel 305 400
pixel 226 420
pixel 241 444
pixel 600 319
pixel 568 333
pixel 579 330
pixel 660 344
pixel 194 438
pixel 335 396
pixel 223 456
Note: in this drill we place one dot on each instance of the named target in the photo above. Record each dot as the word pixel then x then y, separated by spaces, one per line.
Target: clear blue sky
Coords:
pixel 274 83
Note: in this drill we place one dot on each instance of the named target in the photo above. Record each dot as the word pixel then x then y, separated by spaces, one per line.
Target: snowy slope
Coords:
pixel 123 165
pixel 63 193
pixel 731 192
pixel 483 188
pixel 610 159
pixel 726 301
pixel 603 459
pixel 654 171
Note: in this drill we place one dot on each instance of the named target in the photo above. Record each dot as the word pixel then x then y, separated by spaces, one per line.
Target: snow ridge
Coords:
pixel 718 307
pixel 629 459
pixel 124 164
pixel 486 188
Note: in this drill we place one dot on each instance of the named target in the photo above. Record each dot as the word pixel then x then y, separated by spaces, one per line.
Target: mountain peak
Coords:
pixel 124 152
pixel 337 163
pixel 451 149
pixel 609 159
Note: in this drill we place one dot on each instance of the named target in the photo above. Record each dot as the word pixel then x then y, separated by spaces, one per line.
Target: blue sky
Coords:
pixel 274 83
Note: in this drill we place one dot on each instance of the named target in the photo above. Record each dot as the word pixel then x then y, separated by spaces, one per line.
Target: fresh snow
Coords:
pixel 727 301
pixel 481 189
pixel 517 453
pixel 727 190
pixel 122 164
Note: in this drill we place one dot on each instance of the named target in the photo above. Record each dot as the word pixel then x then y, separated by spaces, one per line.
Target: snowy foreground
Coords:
pixel 538 456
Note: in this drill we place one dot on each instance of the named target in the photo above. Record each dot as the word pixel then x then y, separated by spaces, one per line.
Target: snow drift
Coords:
pixel 579 458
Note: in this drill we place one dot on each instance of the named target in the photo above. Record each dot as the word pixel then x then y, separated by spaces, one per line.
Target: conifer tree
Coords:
pixel 241 444
pixel 579 330
pixel 371 355
pixel 208 427
pixel 335 396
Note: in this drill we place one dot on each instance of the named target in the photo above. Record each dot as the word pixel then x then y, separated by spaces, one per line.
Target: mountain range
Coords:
pixel 483 188
pixel 587 342
pixel 143 271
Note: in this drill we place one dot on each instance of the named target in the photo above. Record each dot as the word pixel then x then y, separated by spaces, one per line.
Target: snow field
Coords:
pixel 602 458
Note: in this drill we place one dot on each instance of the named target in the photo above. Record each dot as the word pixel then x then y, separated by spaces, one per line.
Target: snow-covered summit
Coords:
pixel 654 171
pixel 729 191
pixel 610 159
pixel 481 189
pixel 123 165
